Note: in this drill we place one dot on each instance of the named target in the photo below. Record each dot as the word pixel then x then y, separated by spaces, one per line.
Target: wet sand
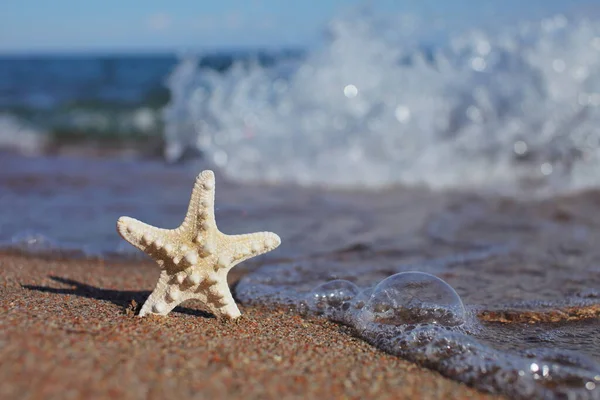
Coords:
pixel 69 331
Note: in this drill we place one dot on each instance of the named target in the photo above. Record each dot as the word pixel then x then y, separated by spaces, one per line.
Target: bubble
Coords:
pixel 558 65
pixel 414 298
pixel 402 114
pixel 478 64
pixel 520 147
pixel 350 91
pixel 362 298
pixel 332 295
pixel 546 168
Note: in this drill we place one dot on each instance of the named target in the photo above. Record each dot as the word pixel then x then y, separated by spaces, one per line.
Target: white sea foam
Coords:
pixel 371 108
pixel 18 136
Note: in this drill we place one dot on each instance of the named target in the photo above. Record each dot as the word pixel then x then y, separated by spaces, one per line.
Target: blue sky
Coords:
pixel 149 25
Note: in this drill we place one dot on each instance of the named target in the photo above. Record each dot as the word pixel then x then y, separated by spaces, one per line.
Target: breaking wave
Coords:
pixel 373 106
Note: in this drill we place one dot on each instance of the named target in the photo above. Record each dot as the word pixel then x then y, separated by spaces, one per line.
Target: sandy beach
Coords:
pixel 69 331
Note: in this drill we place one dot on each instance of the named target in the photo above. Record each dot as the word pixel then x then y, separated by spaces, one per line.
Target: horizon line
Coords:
pixel 176 50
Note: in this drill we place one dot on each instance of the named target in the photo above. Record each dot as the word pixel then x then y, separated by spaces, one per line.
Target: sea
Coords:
pixel 439 197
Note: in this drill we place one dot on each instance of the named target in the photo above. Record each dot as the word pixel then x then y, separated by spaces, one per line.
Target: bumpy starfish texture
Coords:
pixel 196 257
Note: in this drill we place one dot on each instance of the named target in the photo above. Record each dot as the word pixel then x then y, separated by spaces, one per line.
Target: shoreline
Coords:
pixel 67 318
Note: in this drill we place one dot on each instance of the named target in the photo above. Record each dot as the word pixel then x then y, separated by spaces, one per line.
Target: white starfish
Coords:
pixel 196 257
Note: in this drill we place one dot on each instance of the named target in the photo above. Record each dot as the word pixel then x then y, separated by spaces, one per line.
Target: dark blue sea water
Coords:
pixel 96 97
pixel 42 82
pixel 55 80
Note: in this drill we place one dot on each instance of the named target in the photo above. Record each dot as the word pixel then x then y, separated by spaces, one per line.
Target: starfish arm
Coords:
pixel 201 214
pixel 223 301
pixel 141 235
pixel 161 301
pixel 238 248
pixel 217 299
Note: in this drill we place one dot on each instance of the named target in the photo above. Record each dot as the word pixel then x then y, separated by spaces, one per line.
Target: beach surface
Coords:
pixel 69 331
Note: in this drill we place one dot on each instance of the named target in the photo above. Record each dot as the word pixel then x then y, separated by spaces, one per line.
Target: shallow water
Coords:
pixel 526 271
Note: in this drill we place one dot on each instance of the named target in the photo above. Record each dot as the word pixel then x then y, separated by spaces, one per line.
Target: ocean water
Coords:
pixel 77 98
pixel 439 198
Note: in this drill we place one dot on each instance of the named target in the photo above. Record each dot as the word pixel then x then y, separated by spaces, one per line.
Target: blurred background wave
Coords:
pixel 473 93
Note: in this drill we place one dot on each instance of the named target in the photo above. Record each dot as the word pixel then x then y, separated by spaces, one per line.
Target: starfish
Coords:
pixel 195 257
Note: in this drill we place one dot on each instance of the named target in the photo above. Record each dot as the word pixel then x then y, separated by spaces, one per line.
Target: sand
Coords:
pixel 69 331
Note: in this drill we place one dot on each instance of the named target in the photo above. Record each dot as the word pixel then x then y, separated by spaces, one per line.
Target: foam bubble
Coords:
pixel 331 296
pixel 419 317
pixel 414 298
